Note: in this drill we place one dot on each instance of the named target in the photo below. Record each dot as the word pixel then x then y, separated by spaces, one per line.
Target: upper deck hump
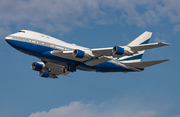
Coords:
pixel 45 38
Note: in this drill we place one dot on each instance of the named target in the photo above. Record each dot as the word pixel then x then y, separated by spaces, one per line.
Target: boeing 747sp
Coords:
pixel 60 58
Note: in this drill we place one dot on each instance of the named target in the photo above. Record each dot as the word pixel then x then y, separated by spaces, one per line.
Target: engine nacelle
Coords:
pixel 38 66
pixel 71 68
pixel 120 51
pixel 44 74
pixel 47 74
pixel 117 50
pixel 78 53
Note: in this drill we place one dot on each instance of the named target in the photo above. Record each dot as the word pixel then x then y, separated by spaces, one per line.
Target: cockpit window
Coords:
pixel 22 31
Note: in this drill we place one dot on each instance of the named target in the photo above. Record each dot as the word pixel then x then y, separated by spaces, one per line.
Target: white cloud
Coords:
pixel 145 114
pixel 170 9
pixel 79 109
pixel 159 40
pixel 63 15
pixel 177 28
pixel 74 109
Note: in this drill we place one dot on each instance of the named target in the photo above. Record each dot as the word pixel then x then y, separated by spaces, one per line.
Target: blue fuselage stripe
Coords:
pixel 133 58
pixel 43 52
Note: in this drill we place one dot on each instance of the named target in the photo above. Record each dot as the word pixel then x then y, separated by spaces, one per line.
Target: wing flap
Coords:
pixel 97 61
pixel 144 63
pixel 55 68
pixel 102 51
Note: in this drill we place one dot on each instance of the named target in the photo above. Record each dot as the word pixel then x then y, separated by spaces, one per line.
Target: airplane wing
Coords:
pixel 98 55
pixel 148 46
pixel 144 63
pixel 97 61
pixel 87 60
pixel 55 69
pixel 102 51
pixel 125 50
pixel 69 55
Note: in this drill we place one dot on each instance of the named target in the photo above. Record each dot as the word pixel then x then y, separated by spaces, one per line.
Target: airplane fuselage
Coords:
pixel 41 46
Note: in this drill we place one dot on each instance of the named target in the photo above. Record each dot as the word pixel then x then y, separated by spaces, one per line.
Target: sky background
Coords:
pixel 155 92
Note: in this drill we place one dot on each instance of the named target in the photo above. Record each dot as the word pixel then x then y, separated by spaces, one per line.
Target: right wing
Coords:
pixel 129 49
pixel 54 69
pixel 147 46
pixel 102 51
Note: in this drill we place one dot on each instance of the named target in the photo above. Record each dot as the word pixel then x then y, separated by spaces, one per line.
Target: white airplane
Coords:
pixel 61 58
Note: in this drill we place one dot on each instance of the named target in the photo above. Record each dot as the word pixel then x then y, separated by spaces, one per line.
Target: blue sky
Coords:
pixel 91 23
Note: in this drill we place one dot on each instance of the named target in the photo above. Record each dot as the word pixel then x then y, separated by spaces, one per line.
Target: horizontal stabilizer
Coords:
pixel 144 63
pixel 148 46
pixel 97 61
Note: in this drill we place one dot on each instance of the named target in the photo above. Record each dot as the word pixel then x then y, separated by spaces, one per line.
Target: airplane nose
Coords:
pixel 7 39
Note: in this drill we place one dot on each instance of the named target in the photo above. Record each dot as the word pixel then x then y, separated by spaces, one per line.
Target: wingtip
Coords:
pixel 167 60
pixel 166 44
pixel 149 32
pixel 164 60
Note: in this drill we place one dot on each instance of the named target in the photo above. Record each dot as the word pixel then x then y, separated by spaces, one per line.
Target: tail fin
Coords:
pixel 142 39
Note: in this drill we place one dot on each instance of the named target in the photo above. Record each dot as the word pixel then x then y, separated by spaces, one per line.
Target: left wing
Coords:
pixel 118 51
pixel 147 46
pixel 98 55
pixel 102 51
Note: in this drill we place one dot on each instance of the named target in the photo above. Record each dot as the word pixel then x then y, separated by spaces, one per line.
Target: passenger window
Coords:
pixel 22 31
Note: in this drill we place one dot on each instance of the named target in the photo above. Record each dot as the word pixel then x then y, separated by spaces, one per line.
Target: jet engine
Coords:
pixel 49 69
pixel 47 74
pixel 120 51
pixel 80 54
pixel 38 66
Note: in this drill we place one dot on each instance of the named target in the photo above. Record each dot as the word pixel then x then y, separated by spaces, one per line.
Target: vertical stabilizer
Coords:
pixel 142 39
